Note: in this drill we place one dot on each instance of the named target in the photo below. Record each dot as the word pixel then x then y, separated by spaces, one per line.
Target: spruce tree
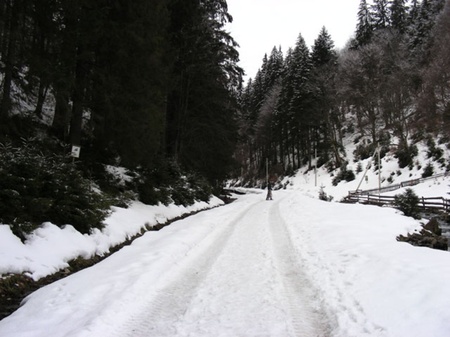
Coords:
pixel 380 14
pixel 12 22
pixel 130 82
pixel 301 100
pixel 205 81
pixel 420 33
pixel 324 59
pixel 274 67
pixel 398 15
pixel 364 26
pixel 323 52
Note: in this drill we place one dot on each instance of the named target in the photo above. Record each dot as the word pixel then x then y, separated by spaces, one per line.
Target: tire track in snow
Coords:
pixel 345 313
pixel 308 317
pixel 171 302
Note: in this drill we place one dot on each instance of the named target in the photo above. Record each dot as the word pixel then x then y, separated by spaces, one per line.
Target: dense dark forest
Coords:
pixel 392 80
pixel 147 85
pixel 136 79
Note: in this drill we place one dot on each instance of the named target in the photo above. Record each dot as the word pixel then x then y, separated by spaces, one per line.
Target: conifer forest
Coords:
pixel 155 87
pixel 391 80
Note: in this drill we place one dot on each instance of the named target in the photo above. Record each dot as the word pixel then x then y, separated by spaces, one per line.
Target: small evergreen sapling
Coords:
pixel 408 203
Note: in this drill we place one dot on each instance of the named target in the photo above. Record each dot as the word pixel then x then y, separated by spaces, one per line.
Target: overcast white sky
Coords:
pixel 259 25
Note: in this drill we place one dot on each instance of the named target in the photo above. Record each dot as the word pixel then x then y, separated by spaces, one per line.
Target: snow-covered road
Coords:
pixel 295 266
pixel 241 279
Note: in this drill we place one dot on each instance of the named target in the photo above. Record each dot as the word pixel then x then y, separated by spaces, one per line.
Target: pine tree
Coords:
pixel 413 12
pixel 380 14
pixel 274 67
pixel 398 15
pixel 364 26
pixel 324 59
pixel 323 52
pixel 13 21
pixel 41 53
pixel 206 79
pixel 130 82
pixel 420 33
pixel 301 100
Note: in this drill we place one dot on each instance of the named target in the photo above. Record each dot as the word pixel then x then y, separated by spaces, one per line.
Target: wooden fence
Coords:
pixel 432 203
pixel 398 186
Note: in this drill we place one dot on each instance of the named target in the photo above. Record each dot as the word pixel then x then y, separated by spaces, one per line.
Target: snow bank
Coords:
pixel 49 248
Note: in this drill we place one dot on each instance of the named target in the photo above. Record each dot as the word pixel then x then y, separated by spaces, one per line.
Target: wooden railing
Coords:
pixel 398 186
pixel 432 203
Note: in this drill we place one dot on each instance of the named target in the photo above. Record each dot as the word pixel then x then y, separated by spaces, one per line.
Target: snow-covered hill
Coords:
pixel 306 181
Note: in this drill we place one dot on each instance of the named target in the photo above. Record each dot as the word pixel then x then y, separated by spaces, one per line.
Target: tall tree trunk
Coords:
pixel 61 117
pixel 5 105
pixel 78 99
pixel 42 93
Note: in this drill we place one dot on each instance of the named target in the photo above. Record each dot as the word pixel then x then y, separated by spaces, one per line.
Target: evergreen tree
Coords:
pixel 274 67
pixel 324 59
pixel 206 63
pixel 130 82
pixel 300 104
pixel 433 109
pixel 380 14
pixel 398 15
pixel 67 19
pixel 41 54
pixel 323 52
pixel 13 21
pixel 364 26
pixel 421 29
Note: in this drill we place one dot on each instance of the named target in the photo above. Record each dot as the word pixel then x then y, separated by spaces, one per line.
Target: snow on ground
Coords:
pixel 295 266
pixel 48 249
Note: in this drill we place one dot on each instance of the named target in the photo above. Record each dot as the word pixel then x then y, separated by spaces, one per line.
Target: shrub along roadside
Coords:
pixel 167 183
pixel 36 187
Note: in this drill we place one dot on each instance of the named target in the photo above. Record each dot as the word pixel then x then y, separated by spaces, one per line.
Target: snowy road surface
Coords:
pixel 243 277
pixel 295 266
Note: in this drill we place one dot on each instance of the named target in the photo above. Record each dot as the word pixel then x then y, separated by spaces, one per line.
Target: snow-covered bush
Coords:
pixel 343 174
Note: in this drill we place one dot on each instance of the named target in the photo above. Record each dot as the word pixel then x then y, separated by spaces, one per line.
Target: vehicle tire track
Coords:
pixel 170 302
pixel 308 317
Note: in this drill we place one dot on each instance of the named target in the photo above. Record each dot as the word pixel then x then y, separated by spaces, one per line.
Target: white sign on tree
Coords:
pixel 75 151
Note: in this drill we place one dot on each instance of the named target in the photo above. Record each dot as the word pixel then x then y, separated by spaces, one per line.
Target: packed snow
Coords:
pixel 294 266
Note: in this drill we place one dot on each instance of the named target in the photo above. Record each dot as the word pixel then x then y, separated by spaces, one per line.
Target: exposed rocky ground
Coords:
pixel 430 236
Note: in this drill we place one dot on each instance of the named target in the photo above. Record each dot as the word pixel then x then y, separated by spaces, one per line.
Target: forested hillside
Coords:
pixel 389 86
pixel 149 86
pixel 152 89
